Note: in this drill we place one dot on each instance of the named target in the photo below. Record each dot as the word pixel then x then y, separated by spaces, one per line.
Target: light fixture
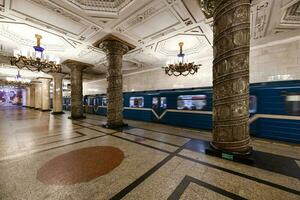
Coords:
pixel 17 79
pixel 180 67
pixel 35 61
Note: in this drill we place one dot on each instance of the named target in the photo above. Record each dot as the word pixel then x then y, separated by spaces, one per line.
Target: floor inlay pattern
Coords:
pixel 56 158
pixel 80 165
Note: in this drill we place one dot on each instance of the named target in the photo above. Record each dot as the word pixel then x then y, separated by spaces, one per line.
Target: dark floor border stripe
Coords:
pixel 146 145
pixel 281 187
pixel 178 192
pixel 290 190
pixel 138 181
pixel 203 140
pixel 148 138
pixel 78 132
pixel 163 132
pixel 66 139
pixel 88 127
pixel 57 147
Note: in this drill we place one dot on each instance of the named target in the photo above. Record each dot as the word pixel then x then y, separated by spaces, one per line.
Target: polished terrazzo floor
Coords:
pixel 51 157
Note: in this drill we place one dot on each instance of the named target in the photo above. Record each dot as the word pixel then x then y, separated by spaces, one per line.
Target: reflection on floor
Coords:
pixel 51 157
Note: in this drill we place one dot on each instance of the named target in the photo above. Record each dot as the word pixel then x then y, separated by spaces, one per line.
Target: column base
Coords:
pixel 114 126
pixel 47 110
pixel 242 157
pixel 74 118
pixel 57 113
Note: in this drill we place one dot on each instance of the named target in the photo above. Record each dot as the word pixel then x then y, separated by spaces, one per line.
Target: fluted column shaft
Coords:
pixel 76 68
pixel 231 76
pixel 76 93
pixel 57 93
pixel 32 96
pixel 114 53
pixel 38 96
pixel 45 93
pixel 28 97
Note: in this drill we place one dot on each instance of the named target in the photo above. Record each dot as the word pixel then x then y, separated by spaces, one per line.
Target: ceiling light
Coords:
pixel 180 67
pixel 35 61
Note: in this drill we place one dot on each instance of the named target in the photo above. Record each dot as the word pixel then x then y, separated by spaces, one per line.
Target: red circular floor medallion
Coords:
pixel 81 165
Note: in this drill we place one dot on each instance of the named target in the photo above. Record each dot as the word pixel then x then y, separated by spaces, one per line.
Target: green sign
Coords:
pixel 227 156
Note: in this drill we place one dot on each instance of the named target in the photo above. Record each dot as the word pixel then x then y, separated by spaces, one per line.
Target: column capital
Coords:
pixel 113 45
pixel 76 65
pixel 57 75
pixel 208 7
pixel 44 79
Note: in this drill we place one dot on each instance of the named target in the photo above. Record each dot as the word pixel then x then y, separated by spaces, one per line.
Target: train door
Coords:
pixel 159 105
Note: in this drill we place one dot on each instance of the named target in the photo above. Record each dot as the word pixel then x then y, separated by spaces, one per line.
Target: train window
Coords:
pixel 191 102
pixel 252 104
pixel 293 104
pixel 163 102
pixel 154 102
pixel 104 101
pixel 136 102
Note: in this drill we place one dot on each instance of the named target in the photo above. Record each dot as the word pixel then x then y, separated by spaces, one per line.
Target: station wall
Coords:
pixel 275 62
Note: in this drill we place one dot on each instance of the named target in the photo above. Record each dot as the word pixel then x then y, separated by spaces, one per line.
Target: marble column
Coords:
pixel 76 87
pixel 231 27
pixel 57 93
pixel 32 96
pixel 28 97
pixel 45 93
pixel 38 96
pixel 24 97
pixel 114 50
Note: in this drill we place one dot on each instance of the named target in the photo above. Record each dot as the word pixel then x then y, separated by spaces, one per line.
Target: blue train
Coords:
pixel 274 108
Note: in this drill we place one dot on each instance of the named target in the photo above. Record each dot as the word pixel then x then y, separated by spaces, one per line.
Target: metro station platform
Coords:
pixel 46 156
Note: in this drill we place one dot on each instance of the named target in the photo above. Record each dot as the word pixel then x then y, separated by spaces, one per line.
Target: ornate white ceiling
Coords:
pixel 71 27
pixel 269 17
pixel 96 6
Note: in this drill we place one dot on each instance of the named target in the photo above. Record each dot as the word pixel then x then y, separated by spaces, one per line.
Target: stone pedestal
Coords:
pixel 76 87
pixel 45 93
pixel 38 96
pixel 231 75
pixel 114 52
pixel 57 93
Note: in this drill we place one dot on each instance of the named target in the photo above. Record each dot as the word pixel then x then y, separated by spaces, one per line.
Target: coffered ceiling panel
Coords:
pixel 24 35
pixel 52 16
pixel 100 6
pixel 154 25
pixel 70 28
pixel 193 44
pixel 291 16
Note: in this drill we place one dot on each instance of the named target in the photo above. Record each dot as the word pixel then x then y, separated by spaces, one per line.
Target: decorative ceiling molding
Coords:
pixel 2 5
pixel 19 40
pixel 58 10
pixel 260 15
pixel 291 16
pixel 100 6
pixel 172 16
pixel 50 15
pixel 198 44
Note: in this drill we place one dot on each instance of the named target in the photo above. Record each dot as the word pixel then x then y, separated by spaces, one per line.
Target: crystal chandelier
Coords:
pixel 18 79
pixel 180 67
pixel 36 61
